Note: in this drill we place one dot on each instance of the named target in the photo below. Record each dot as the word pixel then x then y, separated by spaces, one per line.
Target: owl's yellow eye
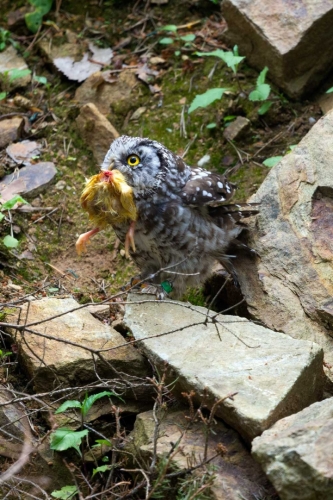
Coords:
pixel 133 160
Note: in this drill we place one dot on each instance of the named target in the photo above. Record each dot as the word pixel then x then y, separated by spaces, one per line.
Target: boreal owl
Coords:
pixel 174 220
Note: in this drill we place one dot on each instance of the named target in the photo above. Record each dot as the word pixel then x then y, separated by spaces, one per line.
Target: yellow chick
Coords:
pixel 108 199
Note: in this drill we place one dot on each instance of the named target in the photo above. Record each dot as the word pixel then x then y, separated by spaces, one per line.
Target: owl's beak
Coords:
pixel 111 165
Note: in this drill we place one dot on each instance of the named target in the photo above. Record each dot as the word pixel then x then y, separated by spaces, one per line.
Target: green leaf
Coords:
pixel 101 468
pixel 271 162
pixel 34 19
pixel 329 90
pixel 8 205
pixel 66 492
pixel 232 61
pixel 211 125
pixel 262 76
pixel 204 100
pixel 14 74
pixel 228 57
pixel 229 118
pixel 68 404
pixel 40 79
pixel 264 107
pixel 100 442
pixel 177 52
pixel 10 241
pixel 1 216
pixel 169 27
pixel 188 38
pixel 293 146
pixel 3 95
pixel 261 92
pixel 90 400
pixel 166 41
pixel 62 439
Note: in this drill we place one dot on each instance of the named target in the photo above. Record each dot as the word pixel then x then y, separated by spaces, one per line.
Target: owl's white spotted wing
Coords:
pixel 206 189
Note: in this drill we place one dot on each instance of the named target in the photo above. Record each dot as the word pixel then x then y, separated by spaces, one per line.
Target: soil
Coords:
pixel 133 30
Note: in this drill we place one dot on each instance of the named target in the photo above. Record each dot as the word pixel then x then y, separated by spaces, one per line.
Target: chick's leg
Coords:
pixel 129 239
pixel 83 239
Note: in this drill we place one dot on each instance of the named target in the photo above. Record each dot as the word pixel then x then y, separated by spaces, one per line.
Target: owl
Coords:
pixel 174 220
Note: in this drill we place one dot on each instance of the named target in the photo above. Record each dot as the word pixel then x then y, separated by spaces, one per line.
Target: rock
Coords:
pixel 289 286
pixel 11 129
pixel 237 129
pixel 36 178
pixel 296 453
pixel 107 97
pixel 236 474
pixel 55 361
pixel 9 60
pixel 96 131
pixel 326 102
pixel 280 374
pixel 24 151
pixel 293 39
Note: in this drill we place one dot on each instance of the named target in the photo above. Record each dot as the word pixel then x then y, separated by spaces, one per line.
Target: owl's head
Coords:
pixel 146 165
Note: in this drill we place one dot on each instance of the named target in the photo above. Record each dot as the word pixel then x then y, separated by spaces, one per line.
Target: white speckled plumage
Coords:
pixel 182 222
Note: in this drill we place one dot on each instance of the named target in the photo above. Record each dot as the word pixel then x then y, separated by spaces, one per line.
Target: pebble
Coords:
pixel 60 185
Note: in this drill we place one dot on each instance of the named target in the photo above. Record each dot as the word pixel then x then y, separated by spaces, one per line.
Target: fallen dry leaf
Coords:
pixel 89 64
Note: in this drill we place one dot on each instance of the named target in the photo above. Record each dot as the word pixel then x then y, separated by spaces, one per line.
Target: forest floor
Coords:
pixel 170 76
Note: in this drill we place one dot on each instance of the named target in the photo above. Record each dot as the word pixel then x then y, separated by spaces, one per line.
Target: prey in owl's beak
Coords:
pixel 108 199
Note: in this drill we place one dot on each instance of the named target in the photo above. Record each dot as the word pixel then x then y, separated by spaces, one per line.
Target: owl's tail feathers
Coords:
pixel 237 211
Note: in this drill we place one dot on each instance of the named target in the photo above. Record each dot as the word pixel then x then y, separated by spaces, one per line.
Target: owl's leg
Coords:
pixel 129 239
pixel 83 239
pixel 228 266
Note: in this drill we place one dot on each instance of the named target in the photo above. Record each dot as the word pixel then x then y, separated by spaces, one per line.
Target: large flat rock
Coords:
pixel 236 474
pixel 289 286
pixel 296 453
pixel 68 358
pixel 273 374
pixel 293 38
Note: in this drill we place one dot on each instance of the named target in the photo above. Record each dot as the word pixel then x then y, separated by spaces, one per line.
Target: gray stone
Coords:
pixel 296 453
pixel 237 128
pixel 108 96
pixel 9 60
pixel 36 178
pixel 272 374
pixel 236 473
pixel 96 131
pixel 294 39
pixel 64 358
pixel 289 285
pixel 326 102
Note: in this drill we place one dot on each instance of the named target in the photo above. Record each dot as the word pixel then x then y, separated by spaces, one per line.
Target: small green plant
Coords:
pixel 63 438
pixel 261 92
pixel 66 493
pixel 5 39
pixel 9 241
pixel 8 77
pixel 329 90
pixel 231 58
pixel 34 19
pixel 172 28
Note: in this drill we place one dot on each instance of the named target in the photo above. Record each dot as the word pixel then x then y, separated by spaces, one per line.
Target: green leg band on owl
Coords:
pixel 167 286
